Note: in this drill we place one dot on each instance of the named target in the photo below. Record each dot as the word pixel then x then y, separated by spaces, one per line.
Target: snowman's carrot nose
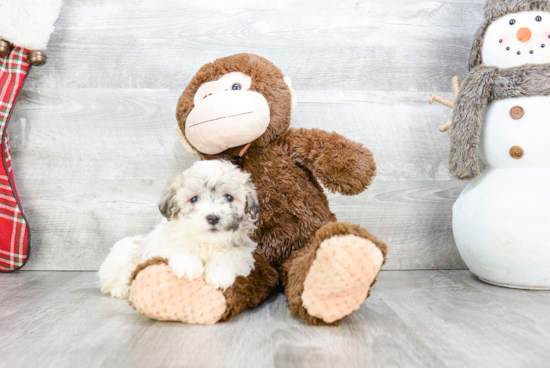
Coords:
pixel 524 34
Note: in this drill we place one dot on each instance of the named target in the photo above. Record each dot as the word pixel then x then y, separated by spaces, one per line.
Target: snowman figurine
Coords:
pixel 501 115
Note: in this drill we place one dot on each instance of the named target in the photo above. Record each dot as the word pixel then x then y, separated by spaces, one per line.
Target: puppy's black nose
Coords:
pixel 213 219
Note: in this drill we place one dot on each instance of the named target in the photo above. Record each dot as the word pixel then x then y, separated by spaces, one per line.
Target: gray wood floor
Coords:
pixel 412 319
pixel 99 146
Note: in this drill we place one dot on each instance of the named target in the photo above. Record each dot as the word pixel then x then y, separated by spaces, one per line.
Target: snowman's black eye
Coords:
pixel 500 41
pixel 531 51
pixel 512 22
pixel 538 18
pixel 508 48
pixel 236 87
pixel 519 52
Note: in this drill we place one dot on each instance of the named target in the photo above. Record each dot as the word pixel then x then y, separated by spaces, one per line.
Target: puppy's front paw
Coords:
pixel 220 276
pixel 116 291
pixel 186 265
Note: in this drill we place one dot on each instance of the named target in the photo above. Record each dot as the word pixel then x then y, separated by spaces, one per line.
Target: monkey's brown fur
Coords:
pixel 249 292
pixel 284 165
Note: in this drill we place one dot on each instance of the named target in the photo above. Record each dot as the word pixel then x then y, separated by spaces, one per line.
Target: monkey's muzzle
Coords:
pixel 227 119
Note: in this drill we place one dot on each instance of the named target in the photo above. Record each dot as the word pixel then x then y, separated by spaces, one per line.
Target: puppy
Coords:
pixel 210 212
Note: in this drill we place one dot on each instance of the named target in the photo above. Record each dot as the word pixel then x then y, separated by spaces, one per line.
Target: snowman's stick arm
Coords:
pixel 442 100
pixel 443 128
pixel 447 102
pixel 456 85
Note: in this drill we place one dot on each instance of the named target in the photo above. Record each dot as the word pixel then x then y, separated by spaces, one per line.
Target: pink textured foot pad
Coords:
pixel 159 294
pixel 340 277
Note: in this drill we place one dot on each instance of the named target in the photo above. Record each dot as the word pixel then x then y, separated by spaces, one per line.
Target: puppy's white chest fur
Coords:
pixel 176 236
pixel 221 255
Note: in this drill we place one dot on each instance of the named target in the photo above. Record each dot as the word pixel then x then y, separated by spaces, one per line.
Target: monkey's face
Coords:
pixel 233 101
pixel 226 114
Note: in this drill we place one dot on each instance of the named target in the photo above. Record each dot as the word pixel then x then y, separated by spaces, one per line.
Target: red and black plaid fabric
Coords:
pixel 14 232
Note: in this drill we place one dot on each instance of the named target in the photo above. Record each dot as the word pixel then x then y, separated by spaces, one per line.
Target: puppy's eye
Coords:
pixel 236 87
pixel 229 198
pixel 538 18
pixel 195 199
pixel 512 22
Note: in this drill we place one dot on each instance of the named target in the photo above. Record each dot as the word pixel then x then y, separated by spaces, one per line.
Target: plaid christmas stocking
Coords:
pixel 25 28
pixel 14 231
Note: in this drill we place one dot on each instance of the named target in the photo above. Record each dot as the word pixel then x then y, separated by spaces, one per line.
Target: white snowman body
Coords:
pixel 501 221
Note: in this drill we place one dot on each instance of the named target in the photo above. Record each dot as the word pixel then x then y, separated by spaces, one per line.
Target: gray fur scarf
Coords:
pixel 485 84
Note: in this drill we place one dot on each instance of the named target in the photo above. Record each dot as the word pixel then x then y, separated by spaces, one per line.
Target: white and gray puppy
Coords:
pixel 210 210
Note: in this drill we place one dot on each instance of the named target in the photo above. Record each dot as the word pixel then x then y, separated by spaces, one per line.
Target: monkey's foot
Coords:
pixel 340 277
pixel 157 293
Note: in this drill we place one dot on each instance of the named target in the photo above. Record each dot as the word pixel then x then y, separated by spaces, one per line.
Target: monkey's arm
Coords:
pixel 340 164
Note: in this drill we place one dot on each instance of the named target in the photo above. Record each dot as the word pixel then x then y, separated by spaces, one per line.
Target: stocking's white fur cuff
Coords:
pixel 28 23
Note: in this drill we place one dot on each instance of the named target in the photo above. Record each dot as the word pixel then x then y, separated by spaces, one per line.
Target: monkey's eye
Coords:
pixel 512 22
pixel 538 18
pixel 195 199
pixel 236 87
pixel 229 198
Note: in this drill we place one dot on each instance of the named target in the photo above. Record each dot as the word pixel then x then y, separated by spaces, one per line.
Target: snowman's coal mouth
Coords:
pixel 532 52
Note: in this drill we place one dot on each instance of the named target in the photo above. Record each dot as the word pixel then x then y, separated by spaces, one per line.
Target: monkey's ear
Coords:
pixel 252 204
pixel 183 141
pixel 168 205
pixel 294 100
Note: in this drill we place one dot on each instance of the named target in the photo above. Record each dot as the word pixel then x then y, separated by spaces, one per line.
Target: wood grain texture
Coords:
pixel 390 45
pixel 98 147
pixel 413 319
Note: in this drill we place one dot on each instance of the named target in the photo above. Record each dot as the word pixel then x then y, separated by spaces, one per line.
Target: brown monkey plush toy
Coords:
pixel 238 108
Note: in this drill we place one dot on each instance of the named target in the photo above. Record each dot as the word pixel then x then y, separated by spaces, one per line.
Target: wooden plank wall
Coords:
pixel 98 146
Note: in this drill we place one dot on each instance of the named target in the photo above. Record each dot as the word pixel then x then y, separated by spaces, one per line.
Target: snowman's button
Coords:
pixel 517 112
pixel 516 152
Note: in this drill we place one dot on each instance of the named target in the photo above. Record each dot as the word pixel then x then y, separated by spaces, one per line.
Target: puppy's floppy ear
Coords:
pixel 252 204
pixel 168 205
